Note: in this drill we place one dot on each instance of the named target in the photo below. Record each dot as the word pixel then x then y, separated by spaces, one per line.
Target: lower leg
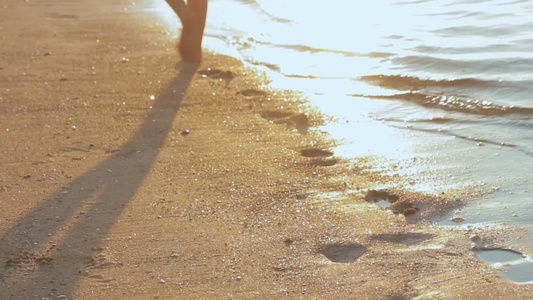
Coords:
pixel 180 8
pixel 192 16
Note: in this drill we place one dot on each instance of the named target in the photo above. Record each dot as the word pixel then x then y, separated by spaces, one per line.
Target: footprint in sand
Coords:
pixel 63 16
pixel 321 157
pixel 517 267
pixel 252 93
pixel 387 200
pixel 325 162
pixel 288 242
pixel 296 120
pixel 407 239
pixel 217 74
pixel 399 297
pixel 312 152
pixel 343 253
pixel 382 198
pixel 404 207
pixel 273 115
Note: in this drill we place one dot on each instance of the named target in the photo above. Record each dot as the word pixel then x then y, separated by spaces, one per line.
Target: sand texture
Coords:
pixel 126 174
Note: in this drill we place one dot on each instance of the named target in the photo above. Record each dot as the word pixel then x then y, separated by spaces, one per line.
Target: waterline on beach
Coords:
pixel 435 94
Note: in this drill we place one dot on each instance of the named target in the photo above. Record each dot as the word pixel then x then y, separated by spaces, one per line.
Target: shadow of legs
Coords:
pixel 79 217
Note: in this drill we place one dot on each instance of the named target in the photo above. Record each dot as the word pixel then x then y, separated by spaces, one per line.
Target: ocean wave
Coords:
pixel 305 48
pixel 518 46
pixel 484 31
pixel 525 149
pixel 453 103
pixel 506 65
pixel 451 95
pixel 410 83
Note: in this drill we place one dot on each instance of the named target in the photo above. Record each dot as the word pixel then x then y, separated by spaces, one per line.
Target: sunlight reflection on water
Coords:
pixel 323 48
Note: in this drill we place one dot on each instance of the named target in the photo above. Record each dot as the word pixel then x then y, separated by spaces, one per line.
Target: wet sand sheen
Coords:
pixel 187 185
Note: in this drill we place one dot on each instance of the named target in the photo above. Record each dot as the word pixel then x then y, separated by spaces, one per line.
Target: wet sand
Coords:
pixel 127 174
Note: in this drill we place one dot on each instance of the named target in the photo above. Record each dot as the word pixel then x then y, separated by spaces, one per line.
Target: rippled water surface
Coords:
pixel 446 82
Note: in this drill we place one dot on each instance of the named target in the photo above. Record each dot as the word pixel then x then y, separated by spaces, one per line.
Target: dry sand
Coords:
pixel 129 175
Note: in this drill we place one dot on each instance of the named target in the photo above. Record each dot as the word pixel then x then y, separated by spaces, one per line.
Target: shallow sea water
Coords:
pixel 446 84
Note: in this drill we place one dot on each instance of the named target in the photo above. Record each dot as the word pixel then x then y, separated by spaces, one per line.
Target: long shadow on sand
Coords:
pixel 79 216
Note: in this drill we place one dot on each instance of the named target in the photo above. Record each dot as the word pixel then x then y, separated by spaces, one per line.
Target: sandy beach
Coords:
pixel 128 174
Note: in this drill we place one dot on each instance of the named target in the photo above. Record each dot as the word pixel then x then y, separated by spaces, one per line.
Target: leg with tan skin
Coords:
pixel 192 15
